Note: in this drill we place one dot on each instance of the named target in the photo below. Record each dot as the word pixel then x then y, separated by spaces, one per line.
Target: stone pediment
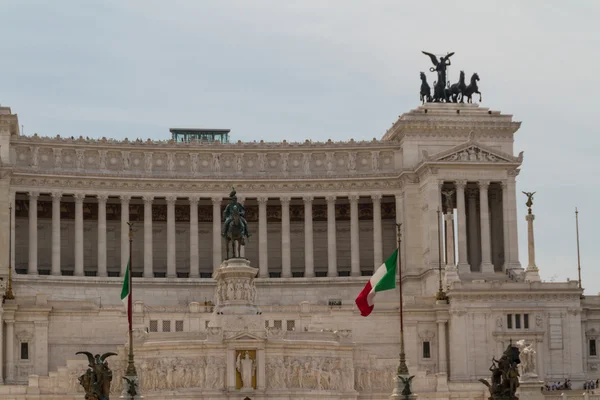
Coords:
pixel 245 337
pixel 472 152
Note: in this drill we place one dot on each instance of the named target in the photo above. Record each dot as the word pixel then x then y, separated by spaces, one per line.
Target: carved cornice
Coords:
pixel 512 297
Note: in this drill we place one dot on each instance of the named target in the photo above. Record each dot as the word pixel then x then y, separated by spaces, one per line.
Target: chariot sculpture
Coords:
pixel 97 379
pixel 505 375
pixel 443 91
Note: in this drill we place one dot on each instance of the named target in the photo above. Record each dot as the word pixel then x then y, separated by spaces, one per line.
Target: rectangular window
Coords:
pixel 526 321
pixel 508 321
pixel 593 347
pixel 153 325
pixel 426 350
pixel 335 302
pixel 205 275
pixel 274 274
pixel 297 274
pixel 517 321
pixel 320 274
pixel 178 326
pixel 277 324
pixel 24 351
pixel 291 325
pixel 166 326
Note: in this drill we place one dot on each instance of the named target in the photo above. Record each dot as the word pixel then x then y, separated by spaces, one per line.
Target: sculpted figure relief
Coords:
pixel 182 373
pixel 527 357
pixel 247 368
pixel 319 373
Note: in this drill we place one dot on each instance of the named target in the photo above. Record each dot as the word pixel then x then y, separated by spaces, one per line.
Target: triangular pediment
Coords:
pixel 245 337
pixel 473 152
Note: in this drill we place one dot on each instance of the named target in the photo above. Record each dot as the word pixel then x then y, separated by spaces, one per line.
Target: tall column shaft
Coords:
pixel 55 269
pixel 473 230
pixel 331 238
pixel 286 256
pixel 512 223
pixel 10 351
pixel 377 232
pixel 530 241
pixel 194 252
pixel 33 234
pixel 217 252
pixel 309 258
pixel 354 236
pixel 79 268
pixel 505 227
pixel 102 269
pixel 124 232
pixel 486 244
pixel 442 352
pixel 148 252
pixel 463 263
pixel 171 267
pixel 449 224
pixel 263 255
pixel 12 232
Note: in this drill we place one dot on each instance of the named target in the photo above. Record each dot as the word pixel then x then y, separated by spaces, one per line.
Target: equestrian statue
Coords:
pixel 96 380
pixel 235 227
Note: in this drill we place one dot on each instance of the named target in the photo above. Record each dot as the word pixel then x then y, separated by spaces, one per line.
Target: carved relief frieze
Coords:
pixel 309 372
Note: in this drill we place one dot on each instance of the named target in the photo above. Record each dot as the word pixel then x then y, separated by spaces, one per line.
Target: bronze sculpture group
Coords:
pixel 505 375
pixel 443 91
pixel 96 380
pixel 235 227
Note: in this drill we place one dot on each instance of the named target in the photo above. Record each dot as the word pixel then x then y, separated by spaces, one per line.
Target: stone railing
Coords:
pixel 571 395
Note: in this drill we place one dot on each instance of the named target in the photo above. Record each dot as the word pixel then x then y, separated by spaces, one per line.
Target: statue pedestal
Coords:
pixel 398 388
pixel 531 389
pixel 236 292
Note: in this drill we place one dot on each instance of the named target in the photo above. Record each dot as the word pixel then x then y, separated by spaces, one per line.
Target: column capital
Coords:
pixel 33 195
pixel 483 184
pixel 503 184
pixel 194 199
pixel 440 183
pixel 148 199
pixel 79 197
pixel 125 198
pixel 56 196
pixel 217 200
pixel 262 200
pixel 376 197
pixel 330 199
pixel 460 184
pixel 353 198
pixel 102 197
pixel 285 200
pixel 171 200
pixel 308 199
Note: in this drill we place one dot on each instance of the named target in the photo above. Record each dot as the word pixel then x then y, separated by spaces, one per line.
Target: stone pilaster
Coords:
pixel 331 237
pixel 102 198
pixel 148 251
pixel 33 236
pixel 473 239
pixel 55 269
pixel 10 350
pixel 486 245
pixel 12 232
pixel 263 254
pixel 124 232
pixel 194 251
pixel 79 267
pixel 354 236
pixel 286 257
pixel 309 260
pixel 171 261
pixel 463 264
pixel 377 232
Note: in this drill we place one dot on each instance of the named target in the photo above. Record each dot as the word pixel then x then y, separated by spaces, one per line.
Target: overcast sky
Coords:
pixel 322 69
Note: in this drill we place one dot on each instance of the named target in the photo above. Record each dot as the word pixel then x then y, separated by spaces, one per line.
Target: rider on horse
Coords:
pixel 228 215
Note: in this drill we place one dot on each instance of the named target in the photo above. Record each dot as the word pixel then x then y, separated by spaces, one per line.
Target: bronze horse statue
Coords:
pixel 459 88
pixel 472 88
pixel 235 234
pixel 425 90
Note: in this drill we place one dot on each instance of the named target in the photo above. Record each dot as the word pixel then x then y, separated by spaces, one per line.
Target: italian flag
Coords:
pixel 383 279
pixel 126 293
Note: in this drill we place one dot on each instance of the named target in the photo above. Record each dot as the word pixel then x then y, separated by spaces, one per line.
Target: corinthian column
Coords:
pixel 55 270
pixel 286 257
pixel 217 256
pixel 148 253
pixel 102 234
pixel 486 251
pixel 124 232
pixel 474 252
pixel 514 262
pixel 331 238
pixel 309 260
pixel 194 256
pixel 463 263
pixel 171 268
pixel 263 260
pixel 33 236
pixel 79 269
pixel 354 236
pixel 377 235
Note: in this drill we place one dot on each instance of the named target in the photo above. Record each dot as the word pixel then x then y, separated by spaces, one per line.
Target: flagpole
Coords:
pixel 578 255
pixel 8 295
pixel 130 364
pixel 402 368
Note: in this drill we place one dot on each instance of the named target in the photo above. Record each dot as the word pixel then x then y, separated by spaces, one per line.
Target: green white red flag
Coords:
pixel 126 294
pixel 384 278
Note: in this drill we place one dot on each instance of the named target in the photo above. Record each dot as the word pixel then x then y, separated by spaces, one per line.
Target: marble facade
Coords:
pixel 323 216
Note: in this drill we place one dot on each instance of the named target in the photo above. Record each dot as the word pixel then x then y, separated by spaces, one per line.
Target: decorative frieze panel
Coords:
pixel 316 373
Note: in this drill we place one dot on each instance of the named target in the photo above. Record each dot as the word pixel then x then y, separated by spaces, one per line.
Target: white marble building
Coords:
pixel 322 215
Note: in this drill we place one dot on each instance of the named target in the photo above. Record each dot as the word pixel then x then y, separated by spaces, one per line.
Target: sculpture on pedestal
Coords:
pixel 235 227
pixel 527 357
pixel 247 368
pixel 505 375
pixel 96 380
pixel 529 200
